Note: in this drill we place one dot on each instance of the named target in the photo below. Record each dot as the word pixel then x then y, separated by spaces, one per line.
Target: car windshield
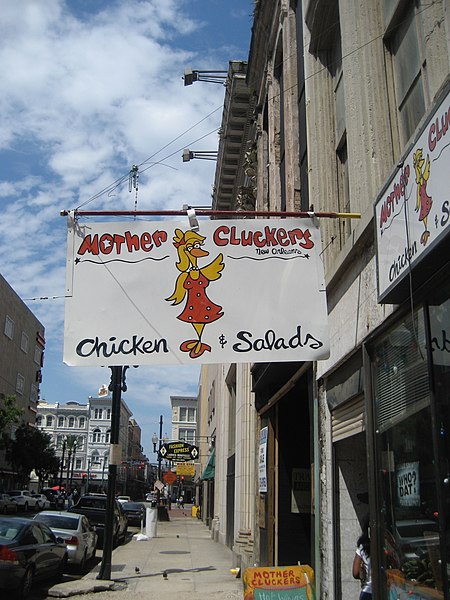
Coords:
pixel 132 506
pixel 415 530
pixel 59 521
pixel 92 503
pixel 9 530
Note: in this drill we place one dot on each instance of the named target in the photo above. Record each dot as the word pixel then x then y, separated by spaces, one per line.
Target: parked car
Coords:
pixel 28 551
pixel 135 512
pixel 42 501
pixel 94 508
pixel 23 499
pixel 7 505
pixel 78 534
pixel 123 499
pixel 415 537
pixel 55 498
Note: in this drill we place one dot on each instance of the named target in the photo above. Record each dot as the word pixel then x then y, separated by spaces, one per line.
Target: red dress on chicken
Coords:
pixel 199 308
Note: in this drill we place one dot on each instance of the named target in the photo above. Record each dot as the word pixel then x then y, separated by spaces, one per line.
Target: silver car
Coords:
pixel 78 534
pixel 7 505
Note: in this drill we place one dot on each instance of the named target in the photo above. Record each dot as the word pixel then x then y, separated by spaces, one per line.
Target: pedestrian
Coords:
pixel 361 562
pixel 181 501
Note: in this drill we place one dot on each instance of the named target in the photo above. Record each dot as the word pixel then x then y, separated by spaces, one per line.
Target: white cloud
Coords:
pixel 84 97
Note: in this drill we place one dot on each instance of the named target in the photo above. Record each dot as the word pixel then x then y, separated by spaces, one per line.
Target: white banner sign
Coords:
pixel 262 467
pixel 156 292
pixel 413 211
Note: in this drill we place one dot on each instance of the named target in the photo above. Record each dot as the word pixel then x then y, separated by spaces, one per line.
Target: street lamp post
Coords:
pixel 159 441
pixel 74 451
pixel 62 463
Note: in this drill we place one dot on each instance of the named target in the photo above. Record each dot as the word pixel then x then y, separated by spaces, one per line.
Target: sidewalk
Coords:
pixel 181 561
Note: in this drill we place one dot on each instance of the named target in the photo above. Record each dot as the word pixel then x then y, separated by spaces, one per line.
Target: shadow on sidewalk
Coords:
pixel 165 573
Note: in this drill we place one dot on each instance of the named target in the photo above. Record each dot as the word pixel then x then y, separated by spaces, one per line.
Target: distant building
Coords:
pixel 22 344
pixel 86 465
pixel 184 418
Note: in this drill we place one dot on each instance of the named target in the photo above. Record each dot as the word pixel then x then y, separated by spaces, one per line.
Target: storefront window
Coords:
pixel 440 353
pixel 405 455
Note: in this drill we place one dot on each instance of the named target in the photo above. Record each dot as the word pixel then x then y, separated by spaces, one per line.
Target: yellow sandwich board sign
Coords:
pixel 279 583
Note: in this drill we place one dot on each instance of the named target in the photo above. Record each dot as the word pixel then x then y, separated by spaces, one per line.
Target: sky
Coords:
pixel 89 89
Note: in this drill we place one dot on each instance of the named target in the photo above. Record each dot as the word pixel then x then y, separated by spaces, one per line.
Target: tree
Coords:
pixel 10 413
pixel 31 449
pixel 48 466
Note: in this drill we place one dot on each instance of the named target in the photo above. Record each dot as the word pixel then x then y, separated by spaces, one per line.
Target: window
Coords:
pixel 108 414
pixel 403 42
pixel 343 189
pixel 82 422
pixel 187 435
pixel 96 435
pixel 187 414
pixel 24 342
pixel 9 327
pixel 107 436
pixel 49 421
pixel 60 421
pixel 98 413
pixel 405 453
pixel 34 394
pixel 71 421
pixel 39 420
pixel 38 355
pixel 20 383
pixel 78 463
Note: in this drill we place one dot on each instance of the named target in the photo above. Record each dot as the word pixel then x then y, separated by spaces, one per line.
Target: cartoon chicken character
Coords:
pixel 424 201
pixel 191 284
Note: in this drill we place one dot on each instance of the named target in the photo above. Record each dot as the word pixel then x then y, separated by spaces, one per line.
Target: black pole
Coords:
pixel 62 465
pixel 158 491
pixel 160 444
pixel 116 386
pixel 73 464
pixel 69 464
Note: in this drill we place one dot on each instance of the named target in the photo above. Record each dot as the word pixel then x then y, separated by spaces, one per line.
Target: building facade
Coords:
pixel 184 429
pixel 348 113
pixel 81 437
pixel 184 418
pixel 22 345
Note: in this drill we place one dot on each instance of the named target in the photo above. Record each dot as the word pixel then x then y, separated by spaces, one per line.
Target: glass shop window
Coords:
pixel 407 489
pixel 440 352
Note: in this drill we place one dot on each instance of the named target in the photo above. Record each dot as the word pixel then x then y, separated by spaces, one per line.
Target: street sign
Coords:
pixel 178 451
pixel 170 477
pixel 185 468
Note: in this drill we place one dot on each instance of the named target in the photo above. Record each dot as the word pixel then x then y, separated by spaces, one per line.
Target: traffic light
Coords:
pixel 182 478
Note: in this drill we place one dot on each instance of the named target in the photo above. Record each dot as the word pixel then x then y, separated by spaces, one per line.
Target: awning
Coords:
pixel 208 473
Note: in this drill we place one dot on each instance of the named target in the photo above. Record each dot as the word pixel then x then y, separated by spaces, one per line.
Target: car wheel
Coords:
pixel 82 565
pixel 62 568
pixel 26 584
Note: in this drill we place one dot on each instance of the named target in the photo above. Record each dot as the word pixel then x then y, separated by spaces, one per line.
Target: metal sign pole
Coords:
pixel 117 386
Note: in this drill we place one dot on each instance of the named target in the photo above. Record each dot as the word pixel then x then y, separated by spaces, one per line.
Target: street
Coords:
pixel 181 559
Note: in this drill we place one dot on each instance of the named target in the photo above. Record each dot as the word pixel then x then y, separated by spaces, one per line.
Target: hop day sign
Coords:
pixel 156 292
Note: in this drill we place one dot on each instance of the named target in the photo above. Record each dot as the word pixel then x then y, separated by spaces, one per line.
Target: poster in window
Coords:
pixel 301 490
pixel 408 485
